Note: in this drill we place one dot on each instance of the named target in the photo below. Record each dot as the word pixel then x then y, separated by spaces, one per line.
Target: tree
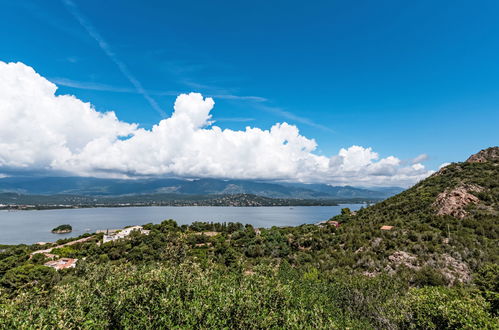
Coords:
pixel 29 275
pixel 345 211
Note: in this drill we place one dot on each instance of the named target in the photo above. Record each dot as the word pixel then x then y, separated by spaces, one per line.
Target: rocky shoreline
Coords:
pixel 65 231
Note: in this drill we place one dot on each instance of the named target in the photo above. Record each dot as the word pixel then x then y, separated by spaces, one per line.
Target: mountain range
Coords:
pixel 118 187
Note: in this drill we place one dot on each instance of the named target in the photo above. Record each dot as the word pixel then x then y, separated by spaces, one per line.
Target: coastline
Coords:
pixel 38 225
pixel 61 231
pixel 18 208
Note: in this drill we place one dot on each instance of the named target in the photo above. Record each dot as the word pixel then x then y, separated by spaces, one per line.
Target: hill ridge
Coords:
pixel 485 155
pixel 117 187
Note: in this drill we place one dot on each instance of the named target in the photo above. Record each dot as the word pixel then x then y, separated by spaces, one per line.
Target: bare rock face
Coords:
pixel 455 270
pixel 402 258
pixel 486 155
pixel 453 202
pixel 452 269
pixel 375 242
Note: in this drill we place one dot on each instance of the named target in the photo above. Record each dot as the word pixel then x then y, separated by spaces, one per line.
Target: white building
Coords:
pixel 124 233
pixel 62 263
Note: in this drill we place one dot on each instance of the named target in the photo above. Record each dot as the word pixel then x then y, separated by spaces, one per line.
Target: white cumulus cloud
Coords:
pixel 47 133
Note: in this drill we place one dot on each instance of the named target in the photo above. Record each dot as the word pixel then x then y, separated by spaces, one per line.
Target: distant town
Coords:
pixel 109 235
pixel 15 202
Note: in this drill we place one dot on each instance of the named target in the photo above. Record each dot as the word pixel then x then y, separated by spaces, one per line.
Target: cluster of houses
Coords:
pixel 329 222
pixel 116 234
pixel 337 224
pixel 65 263
pixel 56 262
pixel 62 263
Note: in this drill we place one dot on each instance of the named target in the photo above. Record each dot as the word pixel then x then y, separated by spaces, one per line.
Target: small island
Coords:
pixel 62 229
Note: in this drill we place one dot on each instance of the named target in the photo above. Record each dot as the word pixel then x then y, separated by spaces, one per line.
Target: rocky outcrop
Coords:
pixel 402 258
pixel 62 231
pixel 486 155
pixel 452 269
pixel 453 202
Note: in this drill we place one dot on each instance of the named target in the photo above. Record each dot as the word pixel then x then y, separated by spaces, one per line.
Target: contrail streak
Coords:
pixel 73 9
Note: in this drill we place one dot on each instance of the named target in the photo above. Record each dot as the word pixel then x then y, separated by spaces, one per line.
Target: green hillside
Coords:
pixel 426 258
pixel 452 215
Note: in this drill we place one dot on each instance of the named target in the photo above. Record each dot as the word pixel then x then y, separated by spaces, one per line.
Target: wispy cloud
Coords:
pixel 91 86
pixel 419 159
pixel 234 119
pixel 72 59
pixel 291 116
pixel 207 88
pixel 179 68
pixel 87 25
pixel 239 97
pixel 95 86
pixel 255 101
pixel 258 102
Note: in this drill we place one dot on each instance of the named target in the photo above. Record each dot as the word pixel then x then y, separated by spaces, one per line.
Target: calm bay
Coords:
pixel 29 227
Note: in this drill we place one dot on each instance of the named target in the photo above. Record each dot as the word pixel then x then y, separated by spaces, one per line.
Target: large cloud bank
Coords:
pixel 44 133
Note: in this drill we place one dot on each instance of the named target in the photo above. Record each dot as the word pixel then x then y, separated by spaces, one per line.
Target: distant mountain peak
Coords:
pixel 486 155
pixel 207 186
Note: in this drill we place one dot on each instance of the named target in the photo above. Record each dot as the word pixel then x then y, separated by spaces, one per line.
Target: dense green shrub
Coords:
pixel 28 275
pixel 445 308
pixel 185 296
pixel 487 281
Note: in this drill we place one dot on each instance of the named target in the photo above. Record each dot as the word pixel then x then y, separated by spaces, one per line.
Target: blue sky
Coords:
pixel 405 78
